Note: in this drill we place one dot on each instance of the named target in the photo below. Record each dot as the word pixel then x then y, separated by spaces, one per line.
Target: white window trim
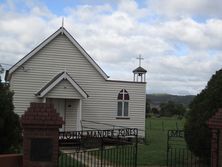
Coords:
pixel 123 102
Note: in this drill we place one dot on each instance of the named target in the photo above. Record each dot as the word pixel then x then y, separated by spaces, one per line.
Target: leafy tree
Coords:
pixel 170 108
pixel 148 108
pixel 10 131
pixel 155 111
pixel 167 109
pixel 180 110
pixel 203 106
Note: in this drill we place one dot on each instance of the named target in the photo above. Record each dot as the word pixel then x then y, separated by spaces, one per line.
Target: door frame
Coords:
pixel 78 114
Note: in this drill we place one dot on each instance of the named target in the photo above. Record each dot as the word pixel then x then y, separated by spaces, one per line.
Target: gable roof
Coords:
pixel 56 80
pixel 61 30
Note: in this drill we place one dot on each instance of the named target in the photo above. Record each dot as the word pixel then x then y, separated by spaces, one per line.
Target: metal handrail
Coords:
pixel 100 123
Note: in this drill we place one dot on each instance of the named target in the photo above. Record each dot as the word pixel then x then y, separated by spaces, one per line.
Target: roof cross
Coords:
pixel 140 58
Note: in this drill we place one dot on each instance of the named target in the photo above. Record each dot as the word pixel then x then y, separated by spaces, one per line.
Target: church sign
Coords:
pixel 176 134
pixel 125 132
pixel 41 149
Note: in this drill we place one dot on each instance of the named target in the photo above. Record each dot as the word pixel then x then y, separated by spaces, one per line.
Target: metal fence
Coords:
pixel 99 148
pixel 183 157
pixel 105 157
pixel 179 155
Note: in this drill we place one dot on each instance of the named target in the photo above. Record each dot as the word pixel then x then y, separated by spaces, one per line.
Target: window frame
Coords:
pixel 123 102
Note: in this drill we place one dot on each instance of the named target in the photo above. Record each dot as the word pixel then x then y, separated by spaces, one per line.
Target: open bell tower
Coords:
pixel 139 74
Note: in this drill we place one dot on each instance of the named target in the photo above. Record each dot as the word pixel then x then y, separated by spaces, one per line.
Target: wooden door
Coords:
pixel 59 105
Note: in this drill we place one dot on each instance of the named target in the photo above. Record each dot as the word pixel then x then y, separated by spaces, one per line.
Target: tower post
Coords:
pixel 139 72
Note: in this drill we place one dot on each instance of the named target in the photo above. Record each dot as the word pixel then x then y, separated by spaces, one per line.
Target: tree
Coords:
pixel 167 109
pixel 203 106
pixel 10 131
pixel 148 108
pixel 155 111
pixel 180 110
pixel 171 108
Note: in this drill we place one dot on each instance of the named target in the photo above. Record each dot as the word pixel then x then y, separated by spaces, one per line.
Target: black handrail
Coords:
pixel 100 123
pixel 107 124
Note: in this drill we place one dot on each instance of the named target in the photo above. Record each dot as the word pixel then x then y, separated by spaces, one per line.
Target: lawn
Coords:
pixel 154 153
pixel 66 160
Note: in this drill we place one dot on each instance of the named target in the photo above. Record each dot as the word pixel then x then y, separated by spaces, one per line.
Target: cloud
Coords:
pixel 180 53
pixel 188 8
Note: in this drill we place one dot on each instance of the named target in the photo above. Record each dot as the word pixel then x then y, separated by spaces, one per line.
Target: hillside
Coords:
pixel 157 99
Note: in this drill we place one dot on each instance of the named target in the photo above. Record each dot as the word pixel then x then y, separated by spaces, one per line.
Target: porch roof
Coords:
pixel 56 80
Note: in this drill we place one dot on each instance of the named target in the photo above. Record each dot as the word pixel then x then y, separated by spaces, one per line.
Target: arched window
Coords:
pixel 123 103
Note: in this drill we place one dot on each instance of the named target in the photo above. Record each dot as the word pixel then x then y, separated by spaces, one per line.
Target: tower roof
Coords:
pixel 139 70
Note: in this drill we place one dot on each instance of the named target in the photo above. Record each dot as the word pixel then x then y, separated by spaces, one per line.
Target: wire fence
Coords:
pixel 157 128
pixel 164 124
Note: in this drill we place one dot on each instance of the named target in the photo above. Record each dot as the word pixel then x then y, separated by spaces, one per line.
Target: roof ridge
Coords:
pixel 56 80
pixel 45 42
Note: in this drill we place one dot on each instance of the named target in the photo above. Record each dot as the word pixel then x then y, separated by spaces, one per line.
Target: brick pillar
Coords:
pixel 40 125
pixel 215 124
pixel 214 148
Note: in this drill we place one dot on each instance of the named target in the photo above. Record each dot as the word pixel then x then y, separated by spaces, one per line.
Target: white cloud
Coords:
pixel 180 54
pixel 187 8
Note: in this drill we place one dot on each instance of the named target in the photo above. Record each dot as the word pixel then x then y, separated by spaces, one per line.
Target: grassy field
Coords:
pixel 154 153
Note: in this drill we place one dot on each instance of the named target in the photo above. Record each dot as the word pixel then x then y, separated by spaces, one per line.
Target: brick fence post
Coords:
pixel 215 124
pixel 40 125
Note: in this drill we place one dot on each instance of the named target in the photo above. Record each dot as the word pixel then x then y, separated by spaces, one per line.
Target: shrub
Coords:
pixel 203 107
pixel 10 131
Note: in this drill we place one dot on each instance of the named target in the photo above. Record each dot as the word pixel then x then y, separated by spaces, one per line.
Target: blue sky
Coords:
pixel 179 40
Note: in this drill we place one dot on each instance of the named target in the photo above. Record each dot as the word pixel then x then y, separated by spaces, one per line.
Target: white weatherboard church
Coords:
pixel 61 72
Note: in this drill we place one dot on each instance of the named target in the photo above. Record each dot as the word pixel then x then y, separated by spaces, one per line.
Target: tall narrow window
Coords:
pixel 123 104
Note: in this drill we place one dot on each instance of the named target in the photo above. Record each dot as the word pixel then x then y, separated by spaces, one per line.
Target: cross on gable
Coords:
pixel 140 58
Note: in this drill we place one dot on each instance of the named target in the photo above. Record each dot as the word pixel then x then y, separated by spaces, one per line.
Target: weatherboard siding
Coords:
pixel 106 106
pixel 101 106
pixel 64 89
pixel 71 114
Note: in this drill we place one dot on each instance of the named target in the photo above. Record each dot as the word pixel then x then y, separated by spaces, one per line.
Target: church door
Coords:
pixel 59 105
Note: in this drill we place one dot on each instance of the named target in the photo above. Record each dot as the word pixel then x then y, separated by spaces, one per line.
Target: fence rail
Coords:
pixel 183 157
pixel 104 157
pixel 85 125
pixel 179 155
pixel 104 148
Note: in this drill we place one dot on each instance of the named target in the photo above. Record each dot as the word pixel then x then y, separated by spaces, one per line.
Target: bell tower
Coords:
pixel 139 74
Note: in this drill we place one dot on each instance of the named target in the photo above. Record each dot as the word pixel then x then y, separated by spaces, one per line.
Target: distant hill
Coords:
pixel 157 99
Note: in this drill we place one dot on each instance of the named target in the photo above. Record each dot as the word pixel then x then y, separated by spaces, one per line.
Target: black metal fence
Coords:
pixel 99 148
pixel 183 157
pixel 179 155
pixel 105 157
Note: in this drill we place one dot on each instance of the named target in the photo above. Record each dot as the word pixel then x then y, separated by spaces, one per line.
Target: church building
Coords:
pixel 61 72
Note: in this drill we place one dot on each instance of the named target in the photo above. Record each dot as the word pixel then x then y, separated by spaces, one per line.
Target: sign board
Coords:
pixel 41 149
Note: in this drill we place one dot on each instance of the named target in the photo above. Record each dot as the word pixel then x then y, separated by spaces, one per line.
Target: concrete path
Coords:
pixel 87 160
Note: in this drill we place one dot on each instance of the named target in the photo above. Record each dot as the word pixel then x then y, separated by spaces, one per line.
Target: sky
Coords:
pixel 180 41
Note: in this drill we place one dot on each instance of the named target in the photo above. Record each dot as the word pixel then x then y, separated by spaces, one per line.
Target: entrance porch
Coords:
pixel 70 111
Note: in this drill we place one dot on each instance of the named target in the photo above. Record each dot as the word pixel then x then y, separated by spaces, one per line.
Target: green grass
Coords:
pixel 114 156
pixel 66 160
pixel 154 153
